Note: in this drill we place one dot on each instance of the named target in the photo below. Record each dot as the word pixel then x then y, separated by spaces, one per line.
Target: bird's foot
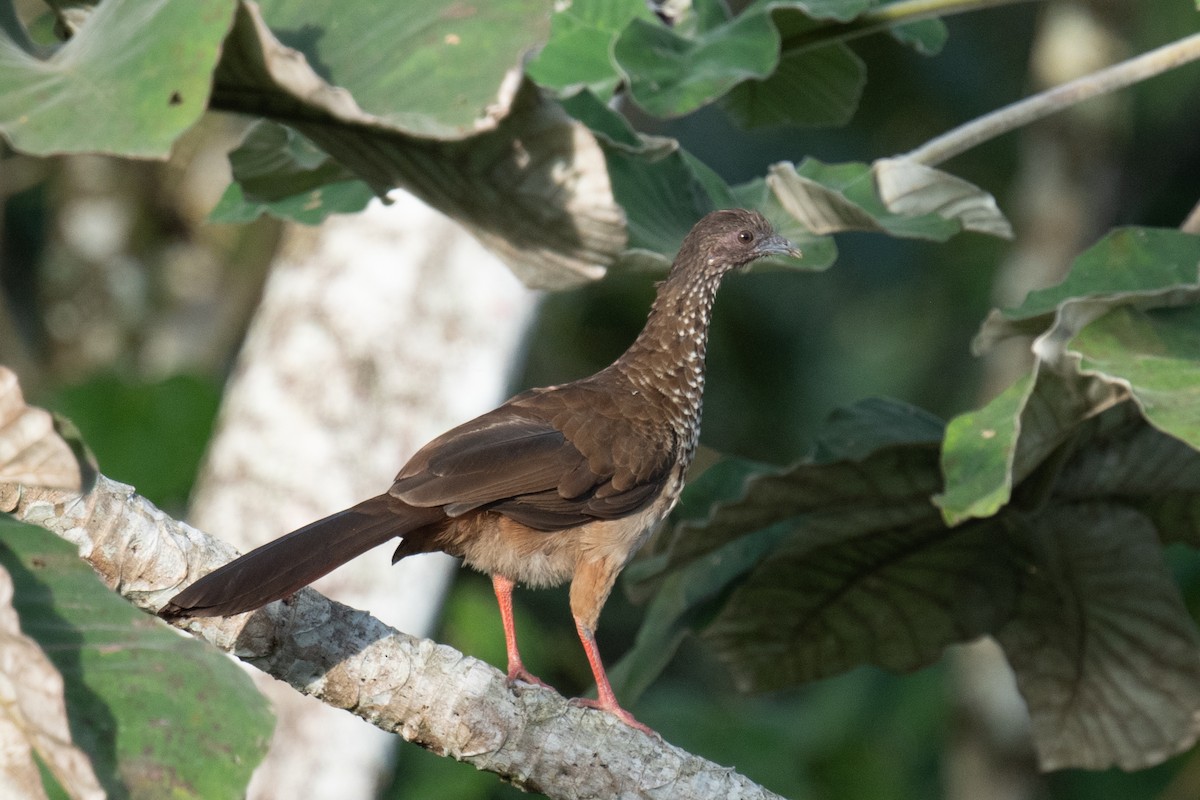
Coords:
pixel 525 676
pixel 616 711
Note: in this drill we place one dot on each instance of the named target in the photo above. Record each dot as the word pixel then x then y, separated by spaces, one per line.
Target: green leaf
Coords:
pixel 152 435
pixel 1150 267
pixel 134 77
pixel 888 487
pixel 151 708
pixel 433 69
pixel 856 431
pixel 683 603
pixel 894 598
pixel 1097 337
pixel 843 561
pixel 812 88
pixel 988 452
pixel 1156 353
pixel 978 455
pixel 1121 457
pixel 478 143
pixel 793 14
pixel 671 74
pixel 662 196
pixel 310 208
pixel 1127 264
pixel 892 196
pixel 1104 652
pixel 578 54
pixel 278 171
pixel 911 189
pixel 927 36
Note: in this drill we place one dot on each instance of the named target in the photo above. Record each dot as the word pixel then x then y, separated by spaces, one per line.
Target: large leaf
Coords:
pixel 893 196
pixel 702 55
pixel 707 55
pixel 442 69
pixel 895 598
pixel 34 715
pixel 124 671
pixel 986 453
pixel 1144 267
pixel 1156 353
pixel 131 79
pixel 527 180
pixel 1124 459
pixel 814 87
pixel 671 74
pixel 867 483
pixel 843 561
pixel 278 171
pixel 1104 651
pixel 887 489
pixel 578 54
pixel 1098 340
pixel 122 668
pixel 427 96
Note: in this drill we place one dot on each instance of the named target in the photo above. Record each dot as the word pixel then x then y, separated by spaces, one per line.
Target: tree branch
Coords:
pixel 428 693
pixel 1031 109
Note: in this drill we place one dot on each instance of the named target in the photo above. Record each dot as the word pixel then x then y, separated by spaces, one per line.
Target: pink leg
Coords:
pixel 516 670
pixel 606 699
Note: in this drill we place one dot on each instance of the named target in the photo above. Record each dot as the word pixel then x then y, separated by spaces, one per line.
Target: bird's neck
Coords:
pixel 666 361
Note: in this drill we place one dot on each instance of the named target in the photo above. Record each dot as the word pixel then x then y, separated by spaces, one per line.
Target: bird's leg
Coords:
pixel 516 670
pixel 606 698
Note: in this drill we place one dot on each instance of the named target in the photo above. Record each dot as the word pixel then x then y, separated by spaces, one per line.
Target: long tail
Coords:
pixel 291 562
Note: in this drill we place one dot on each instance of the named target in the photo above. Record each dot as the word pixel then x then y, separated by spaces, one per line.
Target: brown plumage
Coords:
pixel 562 483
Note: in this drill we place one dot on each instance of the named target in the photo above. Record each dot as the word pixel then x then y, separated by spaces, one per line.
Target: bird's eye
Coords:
pixel 745 237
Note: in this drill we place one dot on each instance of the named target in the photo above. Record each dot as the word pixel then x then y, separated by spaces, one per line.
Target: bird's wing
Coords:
pixel 534 462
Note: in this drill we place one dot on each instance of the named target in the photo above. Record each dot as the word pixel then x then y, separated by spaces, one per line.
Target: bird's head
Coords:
pixel 731 238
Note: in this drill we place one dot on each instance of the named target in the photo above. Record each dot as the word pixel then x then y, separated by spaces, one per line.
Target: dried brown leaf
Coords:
pixel 33 716
pixel 31 451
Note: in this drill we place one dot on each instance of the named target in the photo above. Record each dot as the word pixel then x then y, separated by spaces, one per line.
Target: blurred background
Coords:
pixel 124 309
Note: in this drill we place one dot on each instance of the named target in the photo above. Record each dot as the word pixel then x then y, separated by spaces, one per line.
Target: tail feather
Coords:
pixel 287 564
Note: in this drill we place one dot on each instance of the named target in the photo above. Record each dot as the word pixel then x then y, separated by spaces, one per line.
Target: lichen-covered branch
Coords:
pixel 430 694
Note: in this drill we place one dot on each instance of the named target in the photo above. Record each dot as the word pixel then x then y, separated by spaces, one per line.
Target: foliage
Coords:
pixel 1039 518
pixel 130 682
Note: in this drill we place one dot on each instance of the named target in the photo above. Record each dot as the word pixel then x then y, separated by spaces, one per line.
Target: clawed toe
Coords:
pixel 525 676
pixel 616 711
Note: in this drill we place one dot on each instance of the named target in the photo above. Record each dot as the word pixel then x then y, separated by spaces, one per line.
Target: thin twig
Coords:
pixel 1023 112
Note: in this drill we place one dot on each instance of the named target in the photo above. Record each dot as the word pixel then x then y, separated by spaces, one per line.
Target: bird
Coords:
pixel 562 483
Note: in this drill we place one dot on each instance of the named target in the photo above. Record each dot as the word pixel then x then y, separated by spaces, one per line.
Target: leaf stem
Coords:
pixel 1023 112
pixel 881 18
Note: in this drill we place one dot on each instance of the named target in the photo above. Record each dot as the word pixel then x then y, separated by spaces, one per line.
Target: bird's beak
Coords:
pixel 778 246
